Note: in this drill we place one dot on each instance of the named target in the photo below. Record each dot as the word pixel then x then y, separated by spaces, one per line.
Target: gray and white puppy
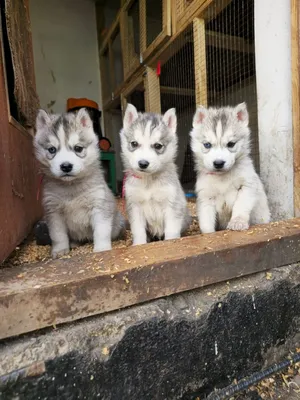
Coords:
pixel 78 204
pixel 155 201
pixel 230 193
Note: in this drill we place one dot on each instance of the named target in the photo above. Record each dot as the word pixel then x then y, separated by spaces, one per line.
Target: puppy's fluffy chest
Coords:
pixel 75 204
pixel 152 198
pixel 221 191
pixel 142 192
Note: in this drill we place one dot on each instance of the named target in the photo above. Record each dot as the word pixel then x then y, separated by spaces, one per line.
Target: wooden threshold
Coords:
pixel 47 294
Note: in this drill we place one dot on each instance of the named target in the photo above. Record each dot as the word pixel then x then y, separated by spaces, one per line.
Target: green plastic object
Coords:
pixel 109 157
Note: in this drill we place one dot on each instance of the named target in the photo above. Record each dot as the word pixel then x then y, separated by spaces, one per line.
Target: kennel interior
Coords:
pixel 210 62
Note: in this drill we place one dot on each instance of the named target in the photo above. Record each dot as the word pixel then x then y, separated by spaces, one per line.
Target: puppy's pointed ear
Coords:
pixel 130 116
pixel 199 117
pixel 83 118
pixel 170 120
pixel 42 119
pixel 241 113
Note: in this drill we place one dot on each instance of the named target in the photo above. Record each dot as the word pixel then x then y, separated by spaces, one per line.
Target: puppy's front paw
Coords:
pixel 238 224
pixel 102 247
pixel 58 252
pixel 73 245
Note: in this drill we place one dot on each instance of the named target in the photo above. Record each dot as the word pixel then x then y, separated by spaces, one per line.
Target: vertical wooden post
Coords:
pixel 124 41
pixel 295 19
pixel 123 104
pixel 152 91
pixel 143 28
pixel 200 62
pixel 112 68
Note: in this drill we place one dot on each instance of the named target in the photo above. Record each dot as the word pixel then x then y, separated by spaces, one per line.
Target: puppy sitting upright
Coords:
pixel 155 200
pixel 78 203
pixel 230 193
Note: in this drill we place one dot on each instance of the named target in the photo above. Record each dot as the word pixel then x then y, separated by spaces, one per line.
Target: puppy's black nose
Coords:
pixel 66 167
pixel 219 164
pixel 143 164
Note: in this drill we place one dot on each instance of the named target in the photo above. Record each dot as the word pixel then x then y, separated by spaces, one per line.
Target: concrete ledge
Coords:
pixel 166 349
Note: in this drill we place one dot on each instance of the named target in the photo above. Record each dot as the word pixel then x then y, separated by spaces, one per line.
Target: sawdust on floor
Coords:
pixel 29 252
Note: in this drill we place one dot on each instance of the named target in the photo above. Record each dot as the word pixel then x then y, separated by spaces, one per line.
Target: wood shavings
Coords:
pixel 269 276
pixel 105 351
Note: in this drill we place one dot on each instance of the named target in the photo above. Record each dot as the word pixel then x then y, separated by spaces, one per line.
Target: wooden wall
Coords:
pixel 19 208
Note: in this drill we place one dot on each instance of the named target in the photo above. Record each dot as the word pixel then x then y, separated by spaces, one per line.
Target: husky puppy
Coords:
pixel 78 204
pixel 230 193
pixel 155 201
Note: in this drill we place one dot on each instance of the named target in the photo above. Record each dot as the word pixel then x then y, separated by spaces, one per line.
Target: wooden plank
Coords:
pixel 208 9
pixel 185 11
pixel 134 84
pixel 143 28
pixel 295 20
pixel 131 59
pixel 45 294
pixel 114 26
pixel 177 91
pixel 123 104
pixel 112 68
pixel 163 36
pixel 152 92
pixel 200 61
pixel 232 43
pixel 215 9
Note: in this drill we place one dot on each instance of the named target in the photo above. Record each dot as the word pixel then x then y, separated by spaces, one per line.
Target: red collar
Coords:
pixel 126 175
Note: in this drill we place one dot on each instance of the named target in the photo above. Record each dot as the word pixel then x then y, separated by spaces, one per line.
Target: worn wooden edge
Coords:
pixel 295 32
pixel 45 294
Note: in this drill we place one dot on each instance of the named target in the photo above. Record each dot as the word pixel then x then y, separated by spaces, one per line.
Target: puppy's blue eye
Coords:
pixel 230 145
pixel 207 145
pixel 52 150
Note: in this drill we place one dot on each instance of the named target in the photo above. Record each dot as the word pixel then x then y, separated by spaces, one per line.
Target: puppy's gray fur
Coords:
pixel 155 201
pixel 78 205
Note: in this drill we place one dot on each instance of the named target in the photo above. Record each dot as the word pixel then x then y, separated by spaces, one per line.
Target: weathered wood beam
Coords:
pixel 45 294
pixel 228 42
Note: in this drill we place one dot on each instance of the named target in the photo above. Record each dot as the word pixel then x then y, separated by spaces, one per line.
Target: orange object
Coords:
pixel 104 144
pixel 77 103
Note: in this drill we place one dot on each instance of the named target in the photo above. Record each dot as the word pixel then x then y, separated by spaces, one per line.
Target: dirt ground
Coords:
pixel 29 252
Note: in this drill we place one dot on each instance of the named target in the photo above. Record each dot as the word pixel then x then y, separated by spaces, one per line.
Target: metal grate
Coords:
pixel 225 72
pixel 231 61
pixel 177 89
